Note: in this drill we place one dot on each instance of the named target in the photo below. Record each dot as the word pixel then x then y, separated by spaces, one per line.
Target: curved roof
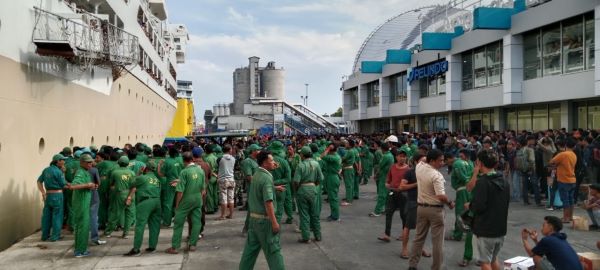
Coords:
pixel 403 31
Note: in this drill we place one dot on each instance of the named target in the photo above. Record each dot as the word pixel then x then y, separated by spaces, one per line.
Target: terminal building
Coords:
pixel 479 66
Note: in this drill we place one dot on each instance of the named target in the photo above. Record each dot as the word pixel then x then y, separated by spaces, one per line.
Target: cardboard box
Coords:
pixel 513 262
pixel 580 223
pixel 590 260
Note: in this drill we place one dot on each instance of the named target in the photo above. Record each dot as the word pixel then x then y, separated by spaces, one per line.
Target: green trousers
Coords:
pixel 68 210
pixel 194 210
pixel 148 212
pixel 212 195
pixel 333 185
pixel 349 184
pixel 81 225
pixel 462 197
pixel 382 194
pixel 288 201
pixel 118 211
pixel 103 192
pixel 308 212
pixel 319 199
pixel 260 236
pixel 356 185
pixel 279 205
pixel 366 174
pixel 52 216
pixel 167 199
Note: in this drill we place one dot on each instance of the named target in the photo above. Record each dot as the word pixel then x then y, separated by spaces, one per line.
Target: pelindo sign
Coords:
pixel 427 71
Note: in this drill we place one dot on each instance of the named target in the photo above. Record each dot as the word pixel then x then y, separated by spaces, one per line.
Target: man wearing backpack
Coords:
pixel 525 164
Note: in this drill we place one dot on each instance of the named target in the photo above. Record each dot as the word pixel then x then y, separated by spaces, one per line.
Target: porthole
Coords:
pixel 129 92
pixel 136 95
pixel 128 138
pixel 119 138
pixel 136 137
pixel 142 99
pixel 119 88
pixel 41 145
pixel 107 139
pixel 71 142
pixel 0 147
pixel 92 141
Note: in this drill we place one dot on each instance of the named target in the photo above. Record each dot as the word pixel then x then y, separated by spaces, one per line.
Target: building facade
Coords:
pixel 527 65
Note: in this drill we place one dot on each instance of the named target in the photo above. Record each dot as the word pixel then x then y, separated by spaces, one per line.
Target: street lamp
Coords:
pixel 306 97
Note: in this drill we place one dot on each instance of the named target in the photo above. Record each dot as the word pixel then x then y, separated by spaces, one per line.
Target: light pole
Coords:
pixel 306 97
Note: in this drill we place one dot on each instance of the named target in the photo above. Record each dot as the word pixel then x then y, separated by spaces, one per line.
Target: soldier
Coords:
pixel 332 166
pixel 81 186
pixel 51 184
pixel 146 188
pixel 190 189
pixel 120 207
pixel 263 229
pixel 308 175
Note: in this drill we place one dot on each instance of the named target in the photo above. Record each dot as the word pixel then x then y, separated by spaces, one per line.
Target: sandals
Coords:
pixel 464 263
pixel 451 238
pixel 425 254
pixel 384 239
pixel 221 218
pixel 404 256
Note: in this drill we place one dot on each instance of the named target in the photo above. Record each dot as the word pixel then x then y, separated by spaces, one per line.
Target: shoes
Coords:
pixel 330 219
pixel 304 241
pixel 593 227
pixel 125 236
pixel 373 214
pixel 345 204
pixel 133 253
pixel 318 239
pixel 99 242
pixel 191 248
pixel 82 254
pixel 412 268
pixel 289 221
pixel 244 208
pixel 356 198
pixel 171 251
pixel 550 208
pixel 150 250
pixel 107 235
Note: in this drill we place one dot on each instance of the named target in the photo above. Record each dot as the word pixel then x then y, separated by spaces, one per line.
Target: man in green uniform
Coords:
pixel 146 188
pixel 81 186
pixel 462 170
pixel 171 169
pixel 377 156
pixel 71 165
pixel 136 165
pixel 308 175
pixel 358 170
pixel 332 166
pixel 282 177
pixel 212 190
pixel 120 184
pixel 51 184
pixel 249 167
pixel 382 192
pixel 407 149
pixel 290 196
pixel 348 162
pixel 188 202
pixel 366 160
pixel 106 163
pixel 263 229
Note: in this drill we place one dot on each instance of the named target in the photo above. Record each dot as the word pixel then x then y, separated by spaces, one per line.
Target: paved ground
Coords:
pixel 349 244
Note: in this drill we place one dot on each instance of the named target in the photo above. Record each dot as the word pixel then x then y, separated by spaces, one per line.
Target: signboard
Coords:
pixel 427 71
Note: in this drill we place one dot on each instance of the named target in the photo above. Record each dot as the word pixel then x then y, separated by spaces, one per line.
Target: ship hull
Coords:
pixel 41 113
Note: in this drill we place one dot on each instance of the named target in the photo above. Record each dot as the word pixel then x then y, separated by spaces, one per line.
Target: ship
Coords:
pixel 78 73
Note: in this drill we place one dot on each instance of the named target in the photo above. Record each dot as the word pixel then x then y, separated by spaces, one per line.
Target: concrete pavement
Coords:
pixel 348 244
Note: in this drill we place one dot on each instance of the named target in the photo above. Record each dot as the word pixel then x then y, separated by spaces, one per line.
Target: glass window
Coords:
pixel 581 115
pixel 398 87
pixel 432 86
pixel 572 44
pixel 494 63
pixel 531 55
pixel 467 71
pixel 554 116
pixel 524 118
pixel 593 115
pixel 354 99
pixel 540 117
pixel 373 94
pixel 423 88
pixel 589 40
pixel 479 65
pixel 441 84
pixel 485 122
pixel 511 119
pixel 551 50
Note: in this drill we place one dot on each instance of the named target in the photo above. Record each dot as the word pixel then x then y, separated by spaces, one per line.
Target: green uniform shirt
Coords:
pixel 462 170
pixel 409 152
pixel 308 171
pixel 121 179
pixel 349 158
pixel 384 165
pixel 261 191
pixel 249 166
pixel 332 164
pixel 172 168
pixel 191 184
pixel 53 178
pixel 147 186
pixel 366 157
pixel 293 162
pixel 142 157
pixel 136 166
pixel 283 174
pixel 211 159
pixel 160 164
pixel 81 196
pixel 105 168
pixel 71 165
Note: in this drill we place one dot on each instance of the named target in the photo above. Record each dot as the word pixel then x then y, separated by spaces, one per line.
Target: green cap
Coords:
pixel 305 151
pixel 276 146
pixel 151 165
pixel 93 148
pixel 78 153
pixel 124 160
pixel 86 158
pixel 58 157
pixel 254 147
pixel 66 151
pixel 218 149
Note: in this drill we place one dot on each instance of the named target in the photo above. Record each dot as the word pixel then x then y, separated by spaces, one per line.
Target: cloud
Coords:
pixel 238 17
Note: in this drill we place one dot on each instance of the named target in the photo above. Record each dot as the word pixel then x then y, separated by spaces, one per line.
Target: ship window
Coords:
pixel 129 92
pixel 142 99
pixel 71 142
pixel 128 138
pixel 136 95
pixel 119 87
pixel 41 145
pixel 107 139
pixel 92 141
pixel 119 138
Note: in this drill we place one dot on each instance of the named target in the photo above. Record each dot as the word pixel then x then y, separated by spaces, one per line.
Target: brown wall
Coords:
pixel 35 105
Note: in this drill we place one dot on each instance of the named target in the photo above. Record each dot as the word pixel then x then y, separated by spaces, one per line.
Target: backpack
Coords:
pixel 522 161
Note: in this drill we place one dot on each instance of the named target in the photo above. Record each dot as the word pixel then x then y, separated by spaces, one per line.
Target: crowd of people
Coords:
pixel 160 187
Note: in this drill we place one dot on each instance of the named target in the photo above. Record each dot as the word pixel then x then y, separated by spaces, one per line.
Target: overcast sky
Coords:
pixel 315 41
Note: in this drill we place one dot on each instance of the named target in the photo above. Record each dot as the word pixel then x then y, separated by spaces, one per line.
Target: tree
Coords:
pixel 337 113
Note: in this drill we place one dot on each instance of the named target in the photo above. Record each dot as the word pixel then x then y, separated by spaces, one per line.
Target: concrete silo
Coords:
pixel 241 90
pixel 273 82
pixel 216 110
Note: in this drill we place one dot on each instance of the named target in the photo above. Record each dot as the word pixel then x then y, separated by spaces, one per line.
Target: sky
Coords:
pixel 314 41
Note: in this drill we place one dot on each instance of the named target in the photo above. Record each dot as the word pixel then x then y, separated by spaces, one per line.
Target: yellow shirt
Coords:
pixel 565 166
pixel 430 182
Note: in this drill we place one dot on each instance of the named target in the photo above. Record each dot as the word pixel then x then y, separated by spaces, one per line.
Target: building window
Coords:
pixel 354 99
pixel 433 123
pixel 567 46
pixel 373 94
pixel 177 40
pixel 476 122
pixel 588 114
pixel 405 125
pixel 398 87
pixel 482 67
pixel 433 86
pixel 534 118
